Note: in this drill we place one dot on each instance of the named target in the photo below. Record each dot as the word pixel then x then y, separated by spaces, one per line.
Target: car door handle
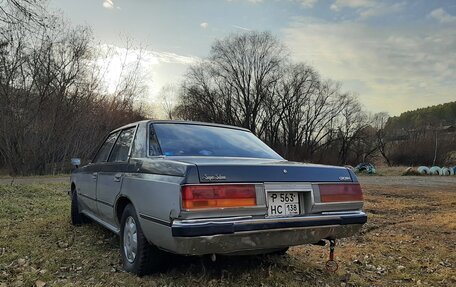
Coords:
pixel 94 175
pixel 117 177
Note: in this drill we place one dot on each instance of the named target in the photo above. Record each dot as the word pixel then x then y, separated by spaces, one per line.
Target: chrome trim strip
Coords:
pixel 131 143
pixel 288 186
pixel 215 219
pixel 338 212
pixel 105 203
pixel 86 196
pixel 335 182
pixel 218 209
pixel 338 203
pixel 265 220
pixel 223 183
pixel 154 219
pixel 101 222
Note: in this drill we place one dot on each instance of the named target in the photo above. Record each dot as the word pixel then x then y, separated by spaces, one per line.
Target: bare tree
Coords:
pixel 233 84
pixel 321 112
pixel 16 11
pixel 379 121
pixel 352 122
pixel 50 96
pixel 168 97
pixel 296 90
pixel 201 100
pixel 249 81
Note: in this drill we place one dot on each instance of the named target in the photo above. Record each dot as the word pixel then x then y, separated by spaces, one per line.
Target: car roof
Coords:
pixel 180 122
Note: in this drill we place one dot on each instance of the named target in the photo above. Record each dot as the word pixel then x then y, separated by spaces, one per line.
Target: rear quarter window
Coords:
pixel 122 146
pixel 103 152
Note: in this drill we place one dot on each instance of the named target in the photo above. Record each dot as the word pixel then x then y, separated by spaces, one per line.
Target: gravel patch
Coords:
pixel 409 180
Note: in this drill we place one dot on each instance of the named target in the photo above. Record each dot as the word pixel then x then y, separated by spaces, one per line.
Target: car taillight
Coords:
pixel 218 196
pixel 340 192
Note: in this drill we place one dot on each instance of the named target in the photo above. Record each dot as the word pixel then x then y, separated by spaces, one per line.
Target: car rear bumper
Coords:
pixel 238 235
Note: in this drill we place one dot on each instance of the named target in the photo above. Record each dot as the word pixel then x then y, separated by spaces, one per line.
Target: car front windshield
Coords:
pixel 201 140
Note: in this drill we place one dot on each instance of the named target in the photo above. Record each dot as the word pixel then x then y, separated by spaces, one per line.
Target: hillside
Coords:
pixel 433 116
pixel 424 136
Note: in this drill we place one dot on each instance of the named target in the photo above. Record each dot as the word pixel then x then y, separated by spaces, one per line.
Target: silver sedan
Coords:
pixel 205 189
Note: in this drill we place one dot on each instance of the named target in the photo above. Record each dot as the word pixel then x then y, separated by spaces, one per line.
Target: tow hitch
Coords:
pixel 332 265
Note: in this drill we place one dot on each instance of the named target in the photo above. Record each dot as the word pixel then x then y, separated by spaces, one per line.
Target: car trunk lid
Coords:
pixel 239 170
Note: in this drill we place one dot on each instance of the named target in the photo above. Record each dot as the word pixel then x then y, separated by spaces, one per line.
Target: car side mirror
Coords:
pixel 76 162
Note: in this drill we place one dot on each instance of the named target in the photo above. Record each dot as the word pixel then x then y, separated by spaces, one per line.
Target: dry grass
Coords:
pixel 409 240
pixel 5 175
pixel 387 171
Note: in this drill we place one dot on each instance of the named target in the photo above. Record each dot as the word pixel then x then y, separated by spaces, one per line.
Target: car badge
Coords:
pixel 285 171
pixel 344 178
pixel 214 177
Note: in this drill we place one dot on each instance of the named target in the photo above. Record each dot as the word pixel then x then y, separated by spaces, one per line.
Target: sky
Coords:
pixel 395 55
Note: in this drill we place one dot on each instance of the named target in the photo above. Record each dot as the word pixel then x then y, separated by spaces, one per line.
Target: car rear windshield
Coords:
pixel 201 140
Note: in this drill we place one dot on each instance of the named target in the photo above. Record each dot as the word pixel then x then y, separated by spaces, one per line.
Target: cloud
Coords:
pixel 108 4
pixel 368 9
pixel 340 4
pixel 308 3
pixel 160 68
pixel 168 57
pixel 394 70
pixel 442 16
pixel 250 1
pixel 204 25
pixel 381 9
pixel 241 28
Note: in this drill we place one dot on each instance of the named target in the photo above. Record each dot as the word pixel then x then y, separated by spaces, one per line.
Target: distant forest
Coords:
pixel 424 136
pixel 430 117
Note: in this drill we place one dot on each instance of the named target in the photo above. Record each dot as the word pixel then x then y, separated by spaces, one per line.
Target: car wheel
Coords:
pixel 138 256
pixel 77 218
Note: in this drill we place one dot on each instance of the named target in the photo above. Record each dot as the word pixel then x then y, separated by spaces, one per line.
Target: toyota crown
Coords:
pixel 194 188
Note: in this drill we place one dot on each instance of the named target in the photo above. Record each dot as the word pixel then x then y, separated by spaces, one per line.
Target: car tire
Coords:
pixel 140 258
pixel 77 218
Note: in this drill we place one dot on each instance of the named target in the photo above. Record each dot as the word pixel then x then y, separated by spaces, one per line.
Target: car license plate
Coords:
pixel 283 203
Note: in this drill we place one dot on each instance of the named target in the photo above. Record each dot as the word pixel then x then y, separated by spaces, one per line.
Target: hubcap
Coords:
pixel 130 239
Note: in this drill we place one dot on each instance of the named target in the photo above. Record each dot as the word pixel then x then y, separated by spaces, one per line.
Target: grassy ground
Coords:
pixel 410 240
pixel 388 171
pixel 34 177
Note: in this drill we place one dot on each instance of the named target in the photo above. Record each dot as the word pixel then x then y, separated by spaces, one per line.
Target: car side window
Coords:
pixel 103 152
pixel 154 147
pixel 122 147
